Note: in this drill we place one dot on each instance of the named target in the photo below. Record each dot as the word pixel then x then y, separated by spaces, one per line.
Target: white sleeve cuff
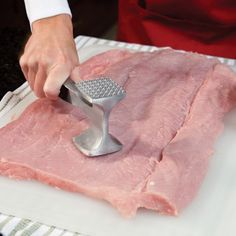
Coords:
pixel 39 9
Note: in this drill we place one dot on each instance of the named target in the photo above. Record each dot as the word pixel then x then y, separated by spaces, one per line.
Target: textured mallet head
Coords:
pixel 100 88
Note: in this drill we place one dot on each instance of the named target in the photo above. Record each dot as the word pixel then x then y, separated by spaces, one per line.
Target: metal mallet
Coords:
pixel 96 98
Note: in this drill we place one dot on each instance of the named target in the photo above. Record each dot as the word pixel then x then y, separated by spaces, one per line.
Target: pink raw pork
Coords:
pixel 168 124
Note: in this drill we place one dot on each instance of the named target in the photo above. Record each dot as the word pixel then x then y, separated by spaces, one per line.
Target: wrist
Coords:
pixel 61 22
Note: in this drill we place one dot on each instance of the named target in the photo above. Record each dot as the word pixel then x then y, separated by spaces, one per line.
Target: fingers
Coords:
pixel 55 79
pixel 32 71
pixel 43 78
pixel 23 66
pixel 29 69
pixel 40 81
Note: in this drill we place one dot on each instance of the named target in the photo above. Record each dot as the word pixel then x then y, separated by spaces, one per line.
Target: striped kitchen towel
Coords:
pixel 14 226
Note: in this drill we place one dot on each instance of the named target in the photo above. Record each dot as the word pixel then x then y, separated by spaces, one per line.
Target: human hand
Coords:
pixel 50 55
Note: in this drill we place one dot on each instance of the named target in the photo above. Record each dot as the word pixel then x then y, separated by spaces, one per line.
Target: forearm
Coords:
pixel 40 9
pixel 60 23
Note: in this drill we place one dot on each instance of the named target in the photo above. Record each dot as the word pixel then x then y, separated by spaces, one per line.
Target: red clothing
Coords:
pixel 205 26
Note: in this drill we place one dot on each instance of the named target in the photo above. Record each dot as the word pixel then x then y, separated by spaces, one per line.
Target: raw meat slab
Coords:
pixel 163 110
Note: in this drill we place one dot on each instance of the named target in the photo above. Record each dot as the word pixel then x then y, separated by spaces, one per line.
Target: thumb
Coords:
pixel 55 79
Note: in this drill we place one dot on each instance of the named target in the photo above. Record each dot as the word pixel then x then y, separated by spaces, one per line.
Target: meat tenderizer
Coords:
pixel 96 98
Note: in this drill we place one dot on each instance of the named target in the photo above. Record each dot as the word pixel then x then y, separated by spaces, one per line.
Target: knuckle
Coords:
pixel 23 61
pixel 27 62
pixel 32 62
pixel 43 63
pixel 44 60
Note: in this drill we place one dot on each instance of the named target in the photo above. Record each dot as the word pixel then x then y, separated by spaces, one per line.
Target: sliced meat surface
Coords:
pixel 168 123
pixel 98 64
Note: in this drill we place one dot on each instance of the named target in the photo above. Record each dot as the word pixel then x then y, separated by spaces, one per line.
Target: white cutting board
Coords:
pixel 212 213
